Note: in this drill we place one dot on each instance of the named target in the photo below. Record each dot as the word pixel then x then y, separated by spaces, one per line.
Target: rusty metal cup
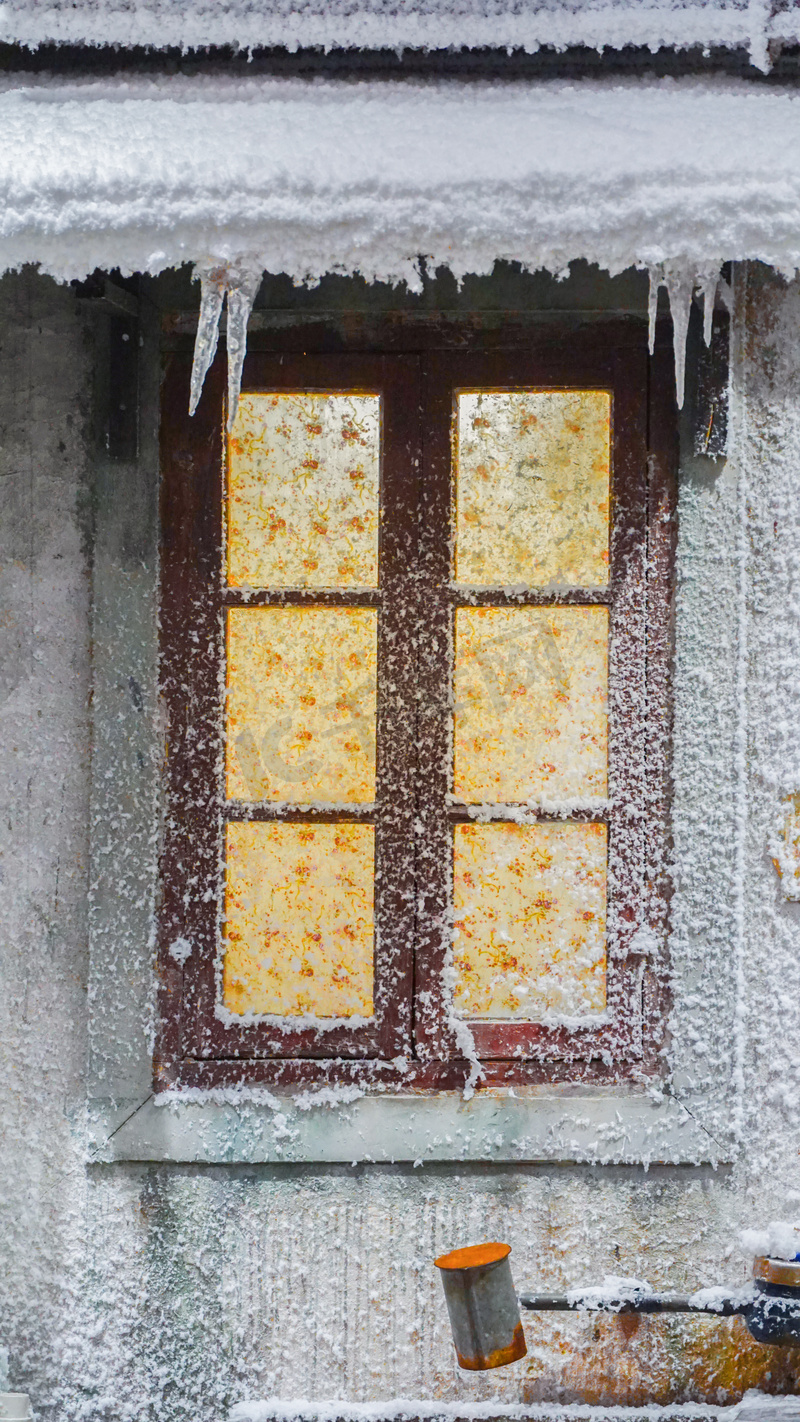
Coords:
pixel 482 1304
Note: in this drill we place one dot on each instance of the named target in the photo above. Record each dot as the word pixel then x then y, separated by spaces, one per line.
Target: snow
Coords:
pixel 384 24
pixel 611 1295
pixel 173 1291
pixel 306 177
pixel 716 1297
pixel 404 1409
pixel 181 951
pixel 754 1407
pixel 776 1240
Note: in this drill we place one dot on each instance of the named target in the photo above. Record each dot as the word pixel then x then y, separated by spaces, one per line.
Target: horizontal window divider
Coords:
pixel 301 597
pixel 523 814
pixel 301 814
pixel 461 596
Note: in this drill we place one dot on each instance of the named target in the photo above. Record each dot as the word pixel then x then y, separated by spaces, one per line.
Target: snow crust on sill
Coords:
pixel 309 177
pixel 335 1126
pixel 753 1405
pixel 376 24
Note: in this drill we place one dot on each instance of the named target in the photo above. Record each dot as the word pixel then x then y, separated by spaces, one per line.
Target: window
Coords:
pixel 414 645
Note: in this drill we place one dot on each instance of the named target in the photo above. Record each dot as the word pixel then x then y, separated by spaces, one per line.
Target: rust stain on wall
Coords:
pixel 631 1361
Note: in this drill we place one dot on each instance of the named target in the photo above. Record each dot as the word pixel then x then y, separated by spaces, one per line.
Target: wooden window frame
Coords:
pixel 412 1044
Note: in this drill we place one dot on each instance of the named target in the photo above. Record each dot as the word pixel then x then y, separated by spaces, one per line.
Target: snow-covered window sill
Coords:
pixel 325 1127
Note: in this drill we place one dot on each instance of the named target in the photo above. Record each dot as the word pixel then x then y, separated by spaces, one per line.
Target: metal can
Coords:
pixel 483 1307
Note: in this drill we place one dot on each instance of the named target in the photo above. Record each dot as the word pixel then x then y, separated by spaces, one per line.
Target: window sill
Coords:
pixel 568 1126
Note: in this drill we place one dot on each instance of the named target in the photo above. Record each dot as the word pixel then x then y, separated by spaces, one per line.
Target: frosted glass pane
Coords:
pixel 529 908
pixel 532 488
pixel 301 704
pixel 531 716
pixel 303 476
pixel 299 919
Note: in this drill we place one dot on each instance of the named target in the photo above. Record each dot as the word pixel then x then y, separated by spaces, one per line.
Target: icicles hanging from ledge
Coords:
pixel 681 286
pixel 239 281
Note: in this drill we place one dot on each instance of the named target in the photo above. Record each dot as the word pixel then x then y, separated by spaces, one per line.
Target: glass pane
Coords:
pixel 298 919
pixel 529 908
pixel 301 704
pixel 303 473
pixel 531 717
pixel 532 488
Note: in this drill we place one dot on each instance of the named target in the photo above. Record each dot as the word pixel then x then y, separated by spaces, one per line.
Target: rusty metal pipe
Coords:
pixel 483 1306
pixel 646 1303
pixel 484 1310
pixel 771 1312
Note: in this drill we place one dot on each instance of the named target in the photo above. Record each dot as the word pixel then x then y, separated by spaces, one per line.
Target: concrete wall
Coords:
pixel 169 1291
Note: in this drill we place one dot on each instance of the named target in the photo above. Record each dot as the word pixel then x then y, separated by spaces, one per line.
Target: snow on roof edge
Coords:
pixel 425 25
pixel 308 178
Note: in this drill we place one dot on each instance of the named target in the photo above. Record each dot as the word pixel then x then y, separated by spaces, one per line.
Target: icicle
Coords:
pixel 680 286
pixel 212 294
pixel 240 282
pixel 707 282
pixel 656 275
pixel 758 14
pixel 243 284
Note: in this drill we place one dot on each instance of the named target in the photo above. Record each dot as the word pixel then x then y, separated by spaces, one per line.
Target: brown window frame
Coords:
pixel 417 366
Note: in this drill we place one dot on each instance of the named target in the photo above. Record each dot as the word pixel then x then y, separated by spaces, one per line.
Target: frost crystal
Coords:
pixel 181 951
pixel 239 282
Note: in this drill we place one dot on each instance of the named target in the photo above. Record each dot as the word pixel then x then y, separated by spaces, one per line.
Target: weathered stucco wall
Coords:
pixel 168 1292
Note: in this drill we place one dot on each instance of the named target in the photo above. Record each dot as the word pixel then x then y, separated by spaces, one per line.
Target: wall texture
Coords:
pixel 167 1292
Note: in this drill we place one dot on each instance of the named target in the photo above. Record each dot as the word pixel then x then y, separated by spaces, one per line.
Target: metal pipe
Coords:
pixel 643 1303
pixel 484 1310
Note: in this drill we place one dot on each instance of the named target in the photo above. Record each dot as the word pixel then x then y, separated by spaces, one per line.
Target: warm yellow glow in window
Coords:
pixel 299 919
pixel 529 904
pixel 531 719
pixel 303 477
pixel 532 488
pixel 301 704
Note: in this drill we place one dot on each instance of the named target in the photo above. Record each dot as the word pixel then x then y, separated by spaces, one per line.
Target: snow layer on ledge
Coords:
pixel 310 177
pixel 387 24
pixel 753 1407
